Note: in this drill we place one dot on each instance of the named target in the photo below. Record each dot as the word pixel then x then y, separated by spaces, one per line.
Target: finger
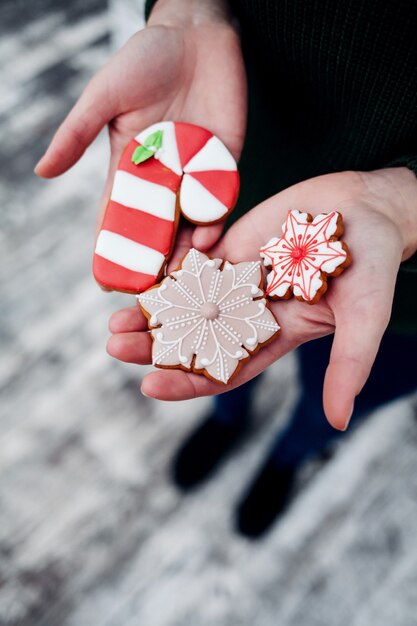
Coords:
pixel 95 107
pixel 128 320
pixel 204 237
pixel 354 349
pixel 173 385
pixel 182 245
pixel 131 80
pixel 131 347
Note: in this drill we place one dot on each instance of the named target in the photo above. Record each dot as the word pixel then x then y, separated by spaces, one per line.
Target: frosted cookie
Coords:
pixel 208 316
pixel 168 169
pixel 306 254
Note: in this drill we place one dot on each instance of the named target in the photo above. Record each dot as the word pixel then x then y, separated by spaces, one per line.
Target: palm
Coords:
pixel 357 304
pixel 193 74
pixel 373 241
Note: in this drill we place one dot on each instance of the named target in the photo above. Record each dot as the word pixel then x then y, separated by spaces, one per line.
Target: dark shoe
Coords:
pixel 265 499
pixel 204 451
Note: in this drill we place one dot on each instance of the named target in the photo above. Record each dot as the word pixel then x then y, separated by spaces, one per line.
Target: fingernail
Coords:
pixel 143 393
pixel 35 169
pixel 349 418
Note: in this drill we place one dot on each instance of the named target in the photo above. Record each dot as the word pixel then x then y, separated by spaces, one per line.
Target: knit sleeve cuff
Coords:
pixel 409 161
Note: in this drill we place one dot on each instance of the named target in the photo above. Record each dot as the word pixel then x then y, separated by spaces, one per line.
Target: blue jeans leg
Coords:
pixel 393 375
pixel 233 407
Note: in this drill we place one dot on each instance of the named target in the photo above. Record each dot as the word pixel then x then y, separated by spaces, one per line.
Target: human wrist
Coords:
pixel 394 192
pixel 190 13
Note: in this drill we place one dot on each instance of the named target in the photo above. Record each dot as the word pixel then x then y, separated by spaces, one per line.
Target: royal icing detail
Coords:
pixel 208 315
pixel 166 162
pixel 301 258
pixel 150 148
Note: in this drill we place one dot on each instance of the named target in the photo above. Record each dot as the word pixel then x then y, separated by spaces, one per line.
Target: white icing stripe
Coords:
pixel 143 195
pixel 197 203
pixel 213 156
pixel 168 154
pixel 129 254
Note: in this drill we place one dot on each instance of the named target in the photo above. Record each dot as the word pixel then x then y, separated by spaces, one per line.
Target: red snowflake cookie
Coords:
pixel 305 255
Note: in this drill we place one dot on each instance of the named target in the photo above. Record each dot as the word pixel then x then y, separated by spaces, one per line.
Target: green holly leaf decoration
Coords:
pixel 154 140
pixel 151 144
pixel 141 154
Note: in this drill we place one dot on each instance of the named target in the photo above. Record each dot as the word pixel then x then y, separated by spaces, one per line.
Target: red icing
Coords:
pixel 190 140
pixel 138 226
pixel 113 276
pixel 298 253
pixel 298 256
pixel 224 185
pixel 151 170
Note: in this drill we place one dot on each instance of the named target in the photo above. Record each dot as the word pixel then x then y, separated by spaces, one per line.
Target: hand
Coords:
pixel 185 66
pixel 380 218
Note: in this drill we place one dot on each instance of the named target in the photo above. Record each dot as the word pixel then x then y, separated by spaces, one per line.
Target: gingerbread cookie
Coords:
pixel 208 316
pixel 170 167
pixel 305 255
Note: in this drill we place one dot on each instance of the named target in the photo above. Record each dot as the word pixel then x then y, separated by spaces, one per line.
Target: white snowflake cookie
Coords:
pixel 208 316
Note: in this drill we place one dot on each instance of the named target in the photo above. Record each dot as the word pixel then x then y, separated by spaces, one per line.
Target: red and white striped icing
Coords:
pixel 140 223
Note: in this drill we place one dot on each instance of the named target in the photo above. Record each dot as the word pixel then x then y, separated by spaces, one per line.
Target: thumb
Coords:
pixel 205 237
pixel 355 346
pixel 90 114
pixel 118 88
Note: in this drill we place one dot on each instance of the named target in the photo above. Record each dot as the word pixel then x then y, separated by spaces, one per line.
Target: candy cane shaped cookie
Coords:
pixel 168 169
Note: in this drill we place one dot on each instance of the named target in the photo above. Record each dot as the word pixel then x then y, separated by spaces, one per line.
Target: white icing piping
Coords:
pixel 205 332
